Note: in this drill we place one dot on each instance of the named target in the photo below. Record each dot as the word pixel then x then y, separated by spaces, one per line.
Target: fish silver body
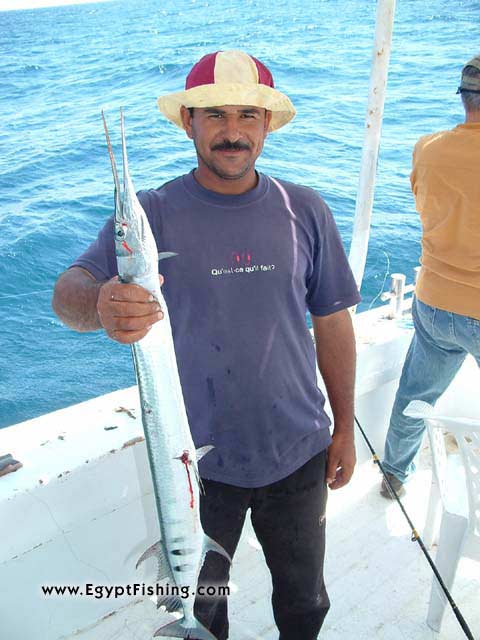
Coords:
pixel 171 452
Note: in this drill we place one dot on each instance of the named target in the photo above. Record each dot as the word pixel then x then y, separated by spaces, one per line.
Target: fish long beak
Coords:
pixel 128 189
pixel 118 201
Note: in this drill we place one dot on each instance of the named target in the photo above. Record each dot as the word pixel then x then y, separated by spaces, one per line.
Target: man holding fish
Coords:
pixel 253 255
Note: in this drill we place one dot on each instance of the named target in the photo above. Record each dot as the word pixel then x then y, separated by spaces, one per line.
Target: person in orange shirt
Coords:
pixel 445 181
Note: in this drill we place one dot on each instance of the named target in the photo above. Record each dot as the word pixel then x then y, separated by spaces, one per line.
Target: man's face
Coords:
pixel 228 139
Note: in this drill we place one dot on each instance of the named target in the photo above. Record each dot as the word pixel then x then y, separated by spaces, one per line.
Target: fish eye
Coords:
pixel 120 232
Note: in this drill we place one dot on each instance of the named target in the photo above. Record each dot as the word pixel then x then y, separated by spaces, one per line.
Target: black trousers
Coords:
pixel 289 520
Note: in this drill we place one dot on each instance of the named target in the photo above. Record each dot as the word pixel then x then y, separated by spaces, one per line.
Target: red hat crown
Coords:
pixel 203 72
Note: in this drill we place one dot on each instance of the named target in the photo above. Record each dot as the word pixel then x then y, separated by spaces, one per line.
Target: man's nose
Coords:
pixel 232 129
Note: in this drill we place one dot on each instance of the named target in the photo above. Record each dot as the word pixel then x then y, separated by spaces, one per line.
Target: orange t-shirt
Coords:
pixel 446 184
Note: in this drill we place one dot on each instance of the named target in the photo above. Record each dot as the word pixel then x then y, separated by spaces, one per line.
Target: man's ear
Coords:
pixel 186 120
pixel 268 119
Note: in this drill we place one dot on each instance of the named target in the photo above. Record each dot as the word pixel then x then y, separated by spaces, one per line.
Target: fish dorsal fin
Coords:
pixel 118 202
pixel 163 255
pixel 202 451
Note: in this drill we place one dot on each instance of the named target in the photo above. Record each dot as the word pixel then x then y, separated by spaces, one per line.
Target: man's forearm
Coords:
pixel 336 357
pixel 75 300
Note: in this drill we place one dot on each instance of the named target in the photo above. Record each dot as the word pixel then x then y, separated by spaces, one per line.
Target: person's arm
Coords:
pixel 125 311
pixel 336 357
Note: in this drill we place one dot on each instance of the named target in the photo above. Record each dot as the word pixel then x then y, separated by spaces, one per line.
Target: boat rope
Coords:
pixel 416 538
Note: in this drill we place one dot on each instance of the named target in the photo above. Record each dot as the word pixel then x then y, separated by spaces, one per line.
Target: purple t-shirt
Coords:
pixel 248 268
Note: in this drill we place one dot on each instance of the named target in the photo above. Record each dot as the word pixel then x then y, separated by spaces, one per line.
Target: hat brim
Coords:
pixel 215 95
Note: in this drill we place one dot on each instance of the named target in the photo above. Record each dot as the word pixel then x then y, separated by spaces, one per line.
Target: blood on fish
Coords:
pixel 185 458
pixel 125 246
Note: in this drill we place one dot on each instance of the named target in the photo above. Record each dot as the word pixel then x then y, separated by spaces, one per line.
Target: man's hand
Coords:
pixel 127 311
pixel 341 460
pixel 335 345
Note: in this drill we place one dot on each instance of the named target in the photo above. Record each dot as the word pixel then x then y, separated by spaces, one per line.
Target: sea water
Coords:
pixel 60 66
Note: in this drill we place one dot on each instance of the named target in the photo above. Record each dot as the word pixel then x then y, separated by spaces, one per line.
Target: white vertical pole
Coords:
pixel 373 127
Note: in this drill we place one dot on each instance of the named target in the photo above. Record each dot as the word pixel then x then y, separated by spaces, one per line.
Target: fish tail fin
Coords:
pixel 180 629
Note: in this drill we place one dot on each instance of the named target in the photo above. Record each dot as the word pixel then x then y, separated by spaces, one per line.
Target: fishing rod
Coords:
pixel 416 537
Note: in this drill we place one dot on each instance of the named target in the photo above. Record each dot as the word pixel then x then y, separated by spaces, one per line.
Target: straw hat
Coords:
pixel 229 78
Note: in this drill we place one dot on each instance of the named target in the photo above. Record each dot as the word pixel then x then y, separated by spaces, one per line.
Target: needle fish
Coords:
pixel 172 457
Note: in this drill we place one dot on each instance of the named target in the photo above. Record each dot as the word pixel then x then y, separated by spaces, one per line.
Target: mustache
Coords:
pixel 226 145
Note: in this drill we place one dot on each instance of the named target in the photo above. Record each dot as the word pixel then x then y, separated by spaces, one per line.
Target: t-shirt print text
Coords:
pixel 241 262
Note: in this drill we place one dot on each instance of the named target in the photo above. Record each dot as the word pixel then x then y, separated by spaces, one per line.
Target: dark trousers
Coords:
pixel 289 520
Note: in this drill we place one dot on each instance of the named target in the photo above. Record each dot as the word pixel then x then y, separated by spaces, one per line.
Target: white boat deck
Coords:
pixel 81 510
pixel 378 579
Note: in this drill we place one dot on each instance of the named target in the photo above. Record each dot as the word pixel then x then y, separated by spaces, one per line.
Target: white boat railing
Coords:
pixel 399 304
pixel 373 127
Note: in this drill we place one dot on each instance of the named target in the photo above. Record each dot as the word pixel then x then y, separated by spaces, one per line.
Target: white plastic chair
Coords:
pixel 456 488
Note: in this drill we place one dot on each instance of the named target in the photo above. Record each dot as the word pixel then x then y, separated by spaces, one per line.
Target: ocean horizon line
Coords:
pixel 16 5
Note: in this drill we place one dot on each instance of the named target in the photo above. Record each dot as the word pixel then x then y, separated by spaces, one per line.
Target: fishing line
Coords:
pixel 383 283
pixel 416 538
